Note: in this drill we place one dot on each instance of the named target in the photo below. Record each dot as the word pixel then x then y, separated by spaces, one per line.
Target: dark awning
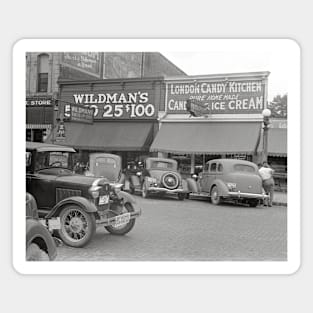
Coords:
pixel 277 142
pixel 208 137
pixel 108 136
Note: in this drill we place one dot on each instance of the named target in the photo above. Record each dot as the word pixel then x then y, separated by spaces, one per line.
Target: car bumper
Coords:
pixel 238 195
pixel 111 220
pixel 165 190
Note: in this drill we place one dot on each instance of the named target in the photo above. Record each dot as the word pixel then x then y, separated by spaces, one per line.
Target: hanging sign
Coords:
pixel 60 135
pixel 78 113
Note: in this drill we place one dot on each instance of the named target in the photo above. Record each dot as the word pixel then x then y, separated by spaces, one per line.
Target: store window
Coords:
pixel 43 69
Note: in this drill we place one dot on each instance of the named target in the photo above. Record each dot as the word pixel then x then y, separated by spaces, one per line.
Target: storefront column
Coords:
pixel 192 164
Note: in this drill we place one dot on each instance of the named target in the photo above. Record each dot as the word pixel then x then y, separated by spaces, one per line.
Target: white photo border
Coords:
pixel 286 46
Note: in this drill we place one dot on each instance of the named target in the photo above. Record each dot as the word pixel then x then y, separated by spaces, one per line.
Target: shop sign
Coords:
pixel 78 113
pixel 218 97
pixel 196 109
pixel 38 101
pixel 137 104
pixel 60 134
pixel 87 62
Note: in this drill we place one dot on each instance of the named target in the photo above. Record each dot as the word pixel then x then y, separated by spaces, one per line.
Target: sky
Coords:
pixel 218 62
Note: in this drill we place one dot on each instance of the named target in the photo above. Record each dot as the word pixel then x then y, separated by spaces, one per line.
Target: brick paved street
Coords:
pixel 192 230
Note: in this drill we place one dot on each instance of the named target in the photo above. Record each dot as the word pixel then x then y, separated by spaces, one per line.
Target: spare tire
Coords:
pixel 170 180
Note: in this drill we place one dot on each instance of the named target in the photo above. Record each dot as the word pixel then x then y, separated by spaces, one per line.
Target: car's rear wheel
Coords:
pixel 34 253
pixel 77 226
pixel 215 197
pixel 124 229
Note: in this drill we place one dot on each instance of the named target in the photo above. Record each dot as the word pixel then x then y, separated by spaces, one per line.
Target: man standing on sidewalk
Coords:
pixel 266 174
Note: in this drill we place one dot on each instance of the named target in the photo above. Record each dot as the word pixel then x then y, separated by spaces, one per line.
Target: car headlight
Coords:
pixel 94 191
pixel 231 186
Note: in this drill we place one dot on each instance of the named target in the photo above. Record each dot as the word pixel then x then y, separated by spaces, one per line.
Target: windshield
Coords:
pixel 50 159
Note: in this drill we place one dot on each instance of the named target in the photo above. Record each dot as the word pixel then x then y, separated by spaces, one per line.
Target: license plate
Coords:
pixel 121 220
pixel 54 223
pixel 104 200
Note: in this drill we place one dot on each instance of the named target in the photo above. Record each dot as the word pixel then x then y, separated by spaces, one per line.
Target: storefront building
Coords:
pixel 212 116
pixel 45 69
pixel 124 122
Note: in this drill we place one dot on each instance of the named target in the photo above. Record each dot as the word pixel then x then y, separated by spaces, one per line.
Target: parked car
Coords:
pixel 159 175
pixel 229 179
pixel 40 246
pixel 75 204
pixel 106 165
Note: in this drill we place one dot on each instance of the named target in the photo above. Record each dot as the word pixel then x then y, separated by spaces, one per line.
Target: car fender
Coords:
pixel 84 203
pixel 222 188
pixel 39 234
pixel 192 185
pixel 185 185
pixel 126 197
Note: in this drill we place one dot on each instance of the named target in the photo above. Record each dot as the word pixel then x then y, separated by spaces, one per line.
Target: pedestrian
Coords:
pixel 266 174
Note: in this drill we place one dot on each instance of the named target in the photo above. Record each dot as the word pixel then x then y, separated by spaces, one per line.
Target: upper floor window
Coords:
pixel 43 69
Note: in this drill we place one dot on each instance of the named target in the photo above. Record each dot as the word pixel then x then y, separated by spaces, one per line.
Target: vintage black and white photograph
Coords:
pixel 157 155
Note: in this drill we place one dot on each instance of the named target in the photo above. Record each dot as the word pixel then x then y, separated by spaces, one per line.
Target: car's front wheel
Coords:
pixel 215 197
pixel 77 226
pixel 122 229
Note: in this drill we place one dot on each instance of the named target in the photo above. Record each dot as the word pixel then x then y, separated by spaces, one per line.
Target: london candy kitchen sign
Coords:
pixel 229 95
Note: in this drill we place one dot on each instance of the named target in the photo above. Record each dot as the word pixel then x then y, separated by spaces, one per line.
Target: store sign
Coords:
pixel 137 104
pixel 196 109
pixel 37 101
pixel 78 113
pixel 218 97
pixel 60 134
pixel 87 62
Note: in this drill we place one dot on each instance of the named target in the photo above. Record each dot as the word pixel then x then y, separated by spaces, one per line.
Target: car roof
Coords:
pixel 41 147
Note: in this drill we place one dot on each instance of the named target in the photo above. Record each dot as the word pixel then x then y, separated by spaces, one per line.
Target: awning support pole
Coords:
pixel 192 165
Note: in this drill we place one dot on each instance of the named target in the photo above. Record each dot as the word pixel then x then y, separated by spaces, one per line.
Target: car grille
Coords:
pixel 62 193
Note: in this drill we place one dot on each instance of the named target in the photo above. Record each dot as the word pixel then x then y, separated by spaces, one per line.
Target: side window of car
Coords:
pixel 213 167
pixel 220 168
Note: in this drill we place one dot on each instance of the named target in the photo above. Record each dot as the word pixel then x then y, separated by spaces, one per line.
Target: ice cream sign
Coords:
pixel 217 97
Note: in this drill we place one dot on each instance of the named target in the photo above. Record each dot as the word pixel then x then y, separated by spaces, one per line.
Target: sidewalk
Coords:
pixel 280 198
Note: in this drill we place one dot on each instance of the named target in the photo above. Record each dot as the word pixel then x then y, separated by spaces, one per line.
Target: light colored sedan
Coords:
pixel 229 179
